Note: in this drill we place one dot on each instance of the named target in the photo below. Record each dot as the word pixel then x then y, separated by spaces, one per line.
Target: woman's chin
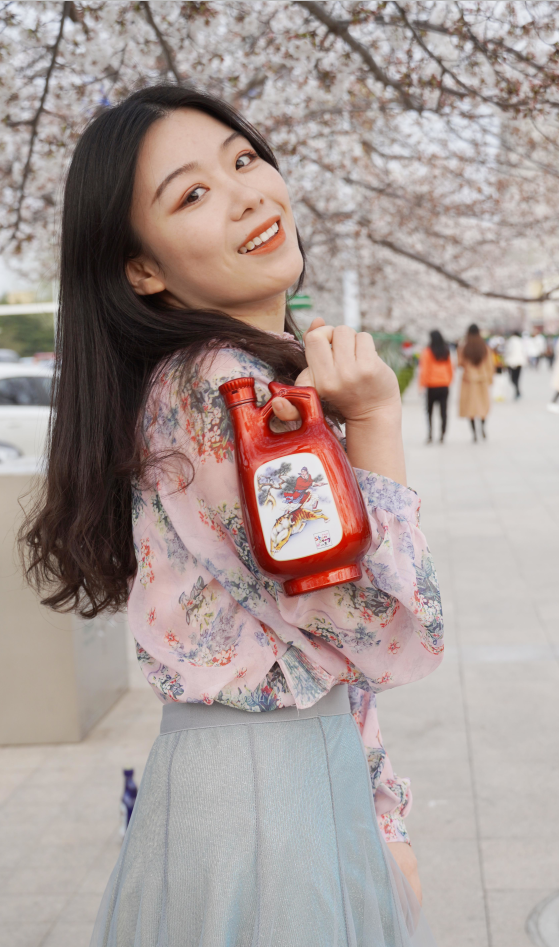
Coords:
pixel 282 268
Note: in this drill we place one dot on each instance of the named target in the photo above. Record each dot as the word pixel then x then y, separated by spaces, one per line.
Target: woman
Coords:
pixel 255 820
pixel 435 374
pixel 476 360
pixel 515 358
pixel 497 346
pixel 553 405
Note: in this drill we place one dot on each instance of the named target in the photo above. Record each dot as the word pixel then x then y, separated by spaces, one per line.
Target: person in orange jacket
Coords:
pixel 435 375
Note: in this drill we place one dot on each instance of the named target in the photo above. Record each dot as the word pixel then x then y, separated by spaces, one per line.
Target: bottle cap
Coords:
pixel 238 391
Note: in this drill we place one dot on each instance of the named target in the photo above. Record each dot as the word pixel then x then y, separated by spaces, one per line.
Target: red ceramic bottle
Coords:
pixel 303 510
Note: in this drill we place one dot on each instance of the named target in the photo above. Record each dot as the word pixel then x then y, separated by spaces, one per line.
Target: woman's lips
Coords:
pixel 272 244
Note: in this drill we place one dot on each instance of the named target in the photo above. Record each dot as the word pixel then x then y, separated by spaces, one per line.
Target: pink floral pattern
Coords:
pixel 145 564
pixel 209 626
pixel 393 796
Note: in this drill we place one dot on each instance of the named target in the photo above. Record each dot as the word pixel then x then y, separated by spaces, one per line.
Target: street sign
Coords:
pixel 300 301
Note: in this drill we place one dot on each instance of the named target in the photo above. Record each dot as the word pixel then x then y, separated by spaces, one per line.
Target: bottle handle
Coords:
pixel 306 399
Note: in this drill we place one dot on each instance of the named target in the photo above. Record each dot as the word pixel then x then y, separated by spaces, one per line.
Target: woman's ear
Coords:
pixel 143 278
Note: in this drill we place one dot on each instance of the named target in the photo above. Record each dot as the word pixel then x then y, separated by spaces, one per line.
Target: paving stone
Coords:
pixel 22 935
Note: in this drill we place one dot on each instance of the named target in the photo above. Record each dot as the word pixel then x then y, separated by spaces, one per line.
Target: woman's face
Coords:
pixel 200 195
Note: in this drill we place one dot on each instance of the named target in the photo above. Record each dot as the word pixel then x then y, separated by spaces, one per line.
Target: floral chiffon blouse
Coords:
pixel 210 626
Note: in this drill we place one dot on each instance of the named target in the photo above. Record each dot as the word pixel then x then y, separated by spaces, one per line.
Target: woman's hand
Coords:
pixel 404 856
pixel 347 371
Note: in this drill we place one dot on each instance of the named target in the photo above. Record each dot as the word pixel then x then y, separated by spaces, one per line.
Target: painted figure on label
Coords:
pixel 291 522
pixel 301 493
pixel 297 493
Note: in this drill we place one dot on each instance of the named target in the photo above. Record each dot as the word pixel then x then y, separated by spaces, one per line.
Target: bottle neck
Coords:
pixel 242 413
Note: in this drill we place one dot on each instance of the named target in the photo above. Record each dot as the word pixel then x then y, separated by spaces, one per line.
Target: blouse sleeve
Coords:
pixel 379 632
pixel 392 794
pixel 387 625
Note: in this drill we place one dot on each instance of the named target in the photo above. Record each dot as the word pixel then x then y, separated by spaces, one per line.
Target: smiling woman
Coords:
pixel 178 248
pixel 130 265
pixel 208 218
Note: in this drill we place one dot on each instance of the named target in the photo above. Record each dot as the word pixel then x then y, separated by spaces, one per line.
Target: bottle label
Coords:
pixel 297 510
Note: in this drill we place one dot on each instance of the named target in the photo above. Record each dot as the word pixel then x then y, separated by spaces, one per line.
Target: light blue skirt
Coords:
pixel 257 830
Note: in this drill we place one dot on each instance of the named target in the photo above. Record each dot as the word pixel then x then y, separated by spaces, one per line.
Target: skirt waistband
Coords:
pixel 179 716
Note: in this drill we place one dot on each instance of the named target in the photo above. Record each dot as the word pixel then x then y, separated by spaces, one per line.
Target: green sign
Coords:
pixel 389 337
pixel 300 301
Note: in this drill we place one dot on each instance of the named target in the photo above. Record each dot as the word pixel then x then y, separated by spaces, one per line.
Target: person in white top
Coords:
pixel 515 359
pixel 554 403
pixel 539 343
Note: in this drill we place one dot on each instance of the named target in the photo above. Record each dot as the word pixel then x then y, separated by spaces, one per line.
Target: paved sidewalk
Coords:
pixel 478 738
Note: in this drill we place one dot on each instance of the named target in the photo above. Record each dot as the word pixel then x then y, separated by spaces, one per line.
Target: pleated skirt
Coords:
pixel 257 830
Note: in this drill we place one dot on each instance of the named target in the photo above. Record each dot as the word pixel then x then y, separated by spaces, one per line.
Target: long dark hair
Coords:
pixel 475 349
pixel 438 346
pixel 77 542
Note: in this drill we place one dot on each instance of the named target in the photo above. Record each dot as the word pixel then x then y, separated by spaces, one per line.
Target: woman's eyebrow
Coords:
pixel 230 139
pixel 184 169
pixel 191 166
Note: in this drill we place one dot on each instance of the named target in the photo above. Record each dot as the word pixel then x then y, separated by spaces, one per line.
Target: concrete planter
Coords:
pixel 61 674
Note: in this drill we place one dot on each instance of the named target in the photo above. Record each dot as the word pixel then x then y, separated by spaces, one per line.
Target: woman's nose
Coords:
pixel 245 201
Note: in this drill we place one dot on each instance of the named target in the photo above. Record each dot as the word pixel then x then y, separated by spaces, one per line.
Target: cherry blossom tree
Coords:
pixel 419 138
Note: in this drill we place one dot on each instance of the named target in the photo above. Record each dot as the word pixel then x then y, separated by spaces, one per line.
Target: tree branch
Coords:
pixel 453 277
pixel 340 28
pixel 66 7
pixel 167 51
pixel 467 89
pixel 341 215
pixel 499 44
pixel 426 26
pixel 445 69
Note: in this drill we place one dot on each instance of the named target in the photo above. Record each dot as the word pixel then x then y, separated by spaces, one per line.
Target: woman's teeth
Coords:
pixel 262 238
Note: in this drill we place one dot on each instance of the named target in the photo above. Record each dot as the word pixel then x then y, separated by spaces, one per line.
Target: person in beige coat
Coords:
pixel 476 360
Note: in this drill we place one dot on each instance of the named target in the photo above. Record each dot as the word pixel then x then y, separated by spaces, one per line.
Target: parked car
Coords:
pixel 24 409
pixel 8 355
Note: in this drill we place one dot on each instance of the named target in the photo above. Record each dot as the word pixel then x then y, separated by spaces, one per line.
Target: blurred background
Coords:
pixel 420 143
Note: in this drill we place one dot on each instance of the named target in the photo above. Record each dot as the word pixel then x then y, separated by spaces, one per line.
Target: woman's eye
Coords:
pixel 244 160
pixel 195 195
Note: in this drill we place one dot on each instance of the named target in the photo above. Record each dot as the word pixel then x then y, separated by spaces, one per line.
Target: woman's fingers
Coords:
pixel 343 348
pixel 318 350
pixel 315 324
pixel 284 410
pixel 305 379
pixel 346 369
pixel 365 347
pixel 332 359
pixel 319 332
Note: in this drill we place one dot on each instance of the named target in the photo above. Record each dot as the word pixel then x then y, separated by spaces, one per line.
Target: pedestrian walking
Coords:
pixel 539 344
pixel 553 405
pixel 435 375
pixel 515 358
pixel 497 345
pixel 267 799
pixel 476 360
pixel 550 351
